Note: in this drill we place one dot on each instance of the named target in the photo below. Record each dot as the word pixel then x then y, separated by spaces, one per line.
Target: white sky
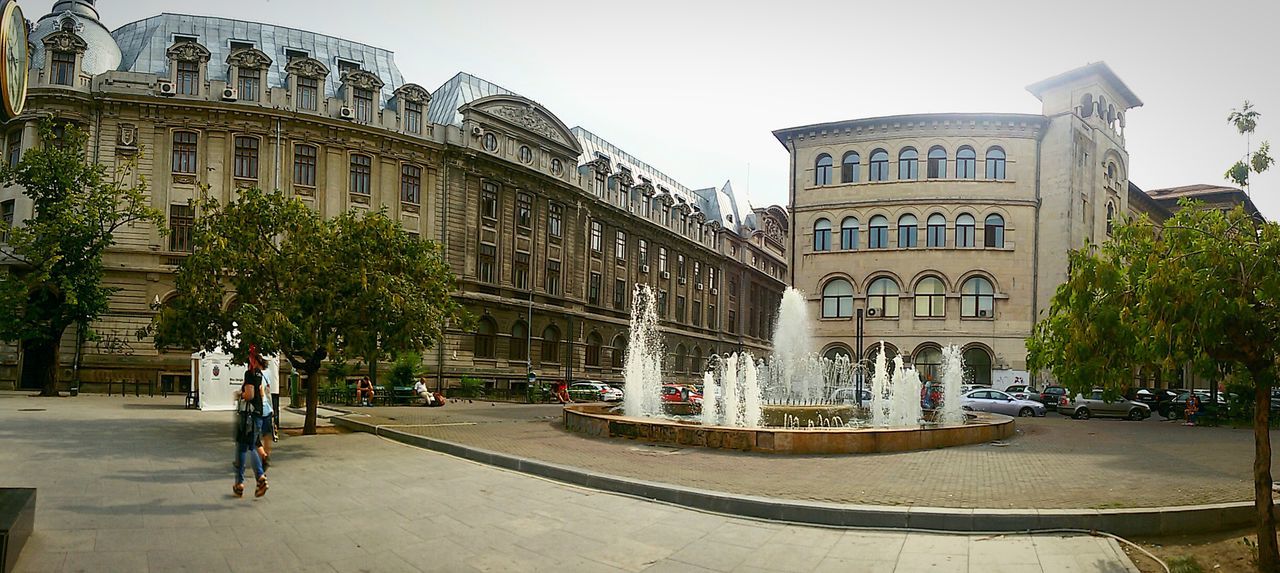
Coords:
pixel 695 88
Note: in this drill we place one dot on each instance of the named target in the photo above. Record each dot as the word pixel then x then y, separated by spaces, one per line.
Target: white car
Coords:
pixel 594 391
pixel 845 396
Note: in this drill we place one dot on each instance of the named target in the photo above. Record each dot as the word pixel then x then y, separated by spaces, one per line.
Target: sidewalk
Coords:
pixel 139 484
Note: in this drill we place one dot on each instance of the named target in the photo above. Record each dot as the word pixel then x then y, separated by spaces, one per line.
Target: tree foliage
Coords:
pixel 51 266
pixel 1202 289
pixel 267 270
pixel 1245 121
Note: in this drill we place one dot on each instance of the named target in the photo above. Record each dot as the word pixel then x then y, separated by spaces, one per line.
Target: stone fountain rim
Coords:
pixel 977 421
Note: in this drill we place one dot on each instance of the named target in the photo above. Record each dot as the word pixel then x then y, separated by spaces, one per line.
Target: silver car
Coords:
pixel 845 396
pixel 998 402
pixel 1082 408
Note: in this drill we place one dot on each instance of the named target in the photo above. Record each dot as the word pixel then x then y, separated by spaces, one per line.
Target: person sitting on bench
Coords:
pixel 423 392
pixel 364 391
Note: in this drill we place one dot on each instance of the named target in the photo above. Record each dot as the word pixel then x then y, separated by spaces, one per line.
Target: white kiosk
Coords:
pixel 217 378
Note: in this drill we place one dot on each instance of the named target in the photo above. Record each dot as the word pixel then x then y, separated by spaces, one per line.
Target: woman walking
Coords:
pixel 248 431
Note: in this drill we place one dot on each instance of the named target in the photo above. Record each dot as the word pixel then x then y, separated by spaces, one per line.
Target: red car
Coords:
pixel 680 393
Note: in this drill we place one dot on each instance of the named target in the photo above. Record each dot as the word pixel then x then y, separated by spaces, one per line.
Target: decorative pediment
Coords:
pixel 666 198
pixel 414 93
pixel 773 231
pixel 645 188
pixel 249 58
pixel 624 176
pixel 362 80
pixel 714 225
pixel 599 164
pixel 307 68
pixel 698 216
pixel 524 114
pixel 65 40
pixel 187 51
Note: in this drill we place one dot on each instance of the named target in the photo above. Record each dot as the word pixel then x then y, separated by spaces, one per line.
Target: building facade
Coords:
pixel 954 229
pixel 548 228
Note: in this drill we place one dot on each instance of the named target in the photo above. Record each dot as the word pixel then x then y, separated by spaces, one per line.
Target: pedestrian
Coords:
pixel 266 432
pixel 248 428
pixel 1193 409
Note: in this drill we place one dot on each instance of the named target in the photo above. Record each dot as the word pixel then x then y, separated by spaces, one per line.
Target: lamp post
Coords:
pixel 858 350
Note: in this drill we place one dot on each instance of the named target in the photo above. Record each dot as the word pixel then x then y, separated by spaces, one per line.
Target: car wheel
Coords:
pixel 1026 412
pixel 1136 415
pixel 1082 414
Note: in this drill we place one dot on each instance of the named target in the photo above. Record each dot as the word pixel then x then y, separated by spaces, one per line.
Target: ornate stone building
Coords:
pixel 547 227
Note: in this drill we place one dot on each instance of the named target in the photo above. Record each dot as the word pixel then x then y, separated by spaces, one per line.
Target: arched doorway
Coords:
pixel 977 366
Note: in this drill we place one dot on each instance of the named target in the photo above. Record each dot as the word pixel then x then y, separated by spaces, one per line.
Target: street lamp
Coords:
pixel 858 349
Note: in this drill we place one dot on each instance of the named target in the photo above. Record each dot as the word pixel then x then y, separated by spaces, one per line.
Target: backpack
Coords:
pixel 247 425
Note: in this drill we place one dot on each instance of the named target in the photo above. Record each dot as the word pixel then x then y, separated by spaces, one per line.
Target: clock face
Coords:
pixel 13 44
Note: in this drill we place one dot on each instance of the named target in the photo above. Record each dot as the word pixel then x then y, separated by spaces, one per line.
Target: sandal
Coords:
pixel 238 490
pixel 262 487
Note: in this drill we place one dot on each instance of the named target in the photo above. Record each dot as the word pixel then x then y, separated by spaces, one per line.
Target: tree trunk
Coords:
pixel 313 397
pixel 40 366
pixel 1268 556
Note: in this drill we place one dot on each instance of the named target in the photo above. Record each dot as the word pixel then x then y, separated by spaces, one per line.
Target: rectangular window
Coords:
pixel 937 235
pixel 304 165
pixel 188 78
pixel 489 200
pixel 907 236
pixel 680 308
pixel 520 271
pixel 363 100
pixel 410 184
pixel 7 209
pixel 487 262
pixel 711 316
pixel 619 294
pixel 553 277
pixel 554 217
pixel 308 93
pixel 593 289
pixel 246 159
pixel 248 83
pixel 599 186
pixel 697 274
pixel 184 152
pixel 524 213
pixel 361 174
pixel 662 304
pixel 620 246
pixel 681 268
pixel 733 322
pixel 697 313
pixel 181 219
pixel 662 259
pixel 711 278
pixel 643 252
pixel 597 237
pixel 14 149
pixel 64 66
pixel 413 117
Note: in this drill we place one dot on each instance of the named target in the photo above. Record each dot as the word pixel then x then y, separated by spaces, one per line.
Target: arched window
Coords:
pixel 964 230
pixel 977 366
pixel 594 342
pixel 696 365
pixel 879 238
pixel 837 299
pixel 822 170
pixel 995 163
pixel 908 164
pixel 993 231
pixel 850 165
pixel 518 346
pixel 551 345
pixel 1086 106
pixel 873 352
pixel 1111 216
pixel 849 233
pixel 822 235
pixel 966 163
pixel 937 163
pixel 977 298
pixel 930 298
pixel 619 358
pixel 927 362
pixel 879 166
pixel 1111 171
pixel 484 338
pixel 838 353
pixel 937 230
pixel 908 231
pixel 679 361
pixel 882 298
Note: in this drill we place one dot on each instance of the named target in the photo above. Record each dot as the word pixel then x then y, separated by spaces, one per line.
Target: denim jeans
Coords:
pixel 252 450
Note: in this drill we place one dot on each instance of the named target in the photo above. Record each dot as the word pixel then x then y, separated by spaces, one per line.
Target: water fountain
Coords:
pixel 786 402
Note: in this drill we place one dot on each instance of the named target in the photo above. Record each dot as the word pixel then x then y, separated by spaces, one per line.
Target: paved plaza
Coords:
pixel 140 484
pixel 1053 463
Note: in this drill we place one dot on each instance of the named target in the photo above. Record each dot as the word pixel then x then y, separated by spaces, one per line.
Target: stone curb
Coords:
pixel 1148 521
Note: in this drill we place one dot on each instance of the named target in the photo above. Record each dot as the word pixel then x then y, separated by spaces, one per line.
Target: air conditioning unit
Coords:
pixel 644 268
pixel 684 280
pixel 347 113
pixel 715 292
pixel 697 286
pixel 871 312
pixel 982 313
pixel 666 274
pixel 476 131
pixel 166 88
pixel 230 94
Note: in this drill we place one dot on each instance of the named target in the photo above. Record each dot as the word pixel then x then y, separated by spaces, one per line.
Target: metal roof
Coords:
pixel 143 44
pixel 460 90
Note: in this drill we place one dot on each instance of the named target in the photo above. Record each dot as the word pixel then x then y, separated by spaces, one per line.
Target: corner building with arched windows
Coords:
pixel 954 228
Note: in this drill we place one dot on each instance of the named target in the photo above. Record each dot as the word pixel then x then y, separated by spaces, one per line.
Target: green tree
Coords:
pixel 1203 289
pixel 302 285
pixel 1245 121
pixel 51 264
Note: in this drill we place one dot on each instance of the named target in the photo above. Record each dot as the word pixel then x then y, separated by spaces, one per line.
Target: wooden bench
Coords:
pixel 17 517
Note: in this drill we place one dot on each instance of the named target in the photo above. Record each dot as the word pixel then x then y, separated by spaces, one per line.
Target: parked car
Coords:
pixel 1082 408
pixel 967 388
pixel 998 402
pixel 594 391
pixel 1154 398
pixel 846 396
pixel 680 393
pixel 1176 407
pixel 1023 392
pixel 1050 396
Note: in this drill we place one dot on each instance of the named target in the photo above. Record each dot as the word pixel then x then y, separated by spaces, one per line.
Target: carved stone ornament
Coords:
pixel 363 80
pixel 714 225
pixel 667 199
pixel 307 68
pixel 414 93
pixel 249 58
pixel 645 188
pixel 127 139
pixel 600 164
pixel 698 216
pixel 187 51
pixel 528 118
pixel 624 176
pixel 184 179
pixel 65 41
pixel 772 230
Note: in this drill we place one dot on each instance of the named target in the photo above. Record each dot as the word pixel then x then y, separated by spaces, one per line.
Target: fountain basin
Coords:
pixel 597 421
pixel 819 415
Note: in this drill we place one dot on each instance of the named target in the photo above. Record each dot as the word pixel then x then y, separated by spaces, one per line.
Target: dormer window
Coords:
pixel 409 101
pixel 361 89
pixel 188 78
pixel 363 100
pixel 65 48
pixel 308 93
pixel 413 117
pixel 246 68
pixel 64 68
pixel 187 60
pixel 306 80
pixel 249 83
pixel 237 45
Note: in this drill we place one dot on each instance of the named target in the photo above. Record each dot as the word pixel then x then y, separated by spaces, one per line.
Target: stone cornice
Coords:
pixel 941 124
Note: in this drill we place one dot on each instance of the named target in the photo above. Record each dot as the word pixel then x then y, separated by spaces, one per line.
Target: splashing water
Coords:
pixel 642 372
pixel 952 379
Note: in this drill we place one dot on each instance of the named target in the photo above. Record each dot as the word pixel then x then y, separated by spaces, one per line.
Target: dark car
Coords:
pixel 1152 397
pixel 1176 408
pixel 1050 396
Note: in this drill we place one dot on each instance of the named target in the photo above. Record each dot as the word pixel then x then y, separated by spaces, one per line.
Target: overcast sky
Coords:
pixel 695 88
